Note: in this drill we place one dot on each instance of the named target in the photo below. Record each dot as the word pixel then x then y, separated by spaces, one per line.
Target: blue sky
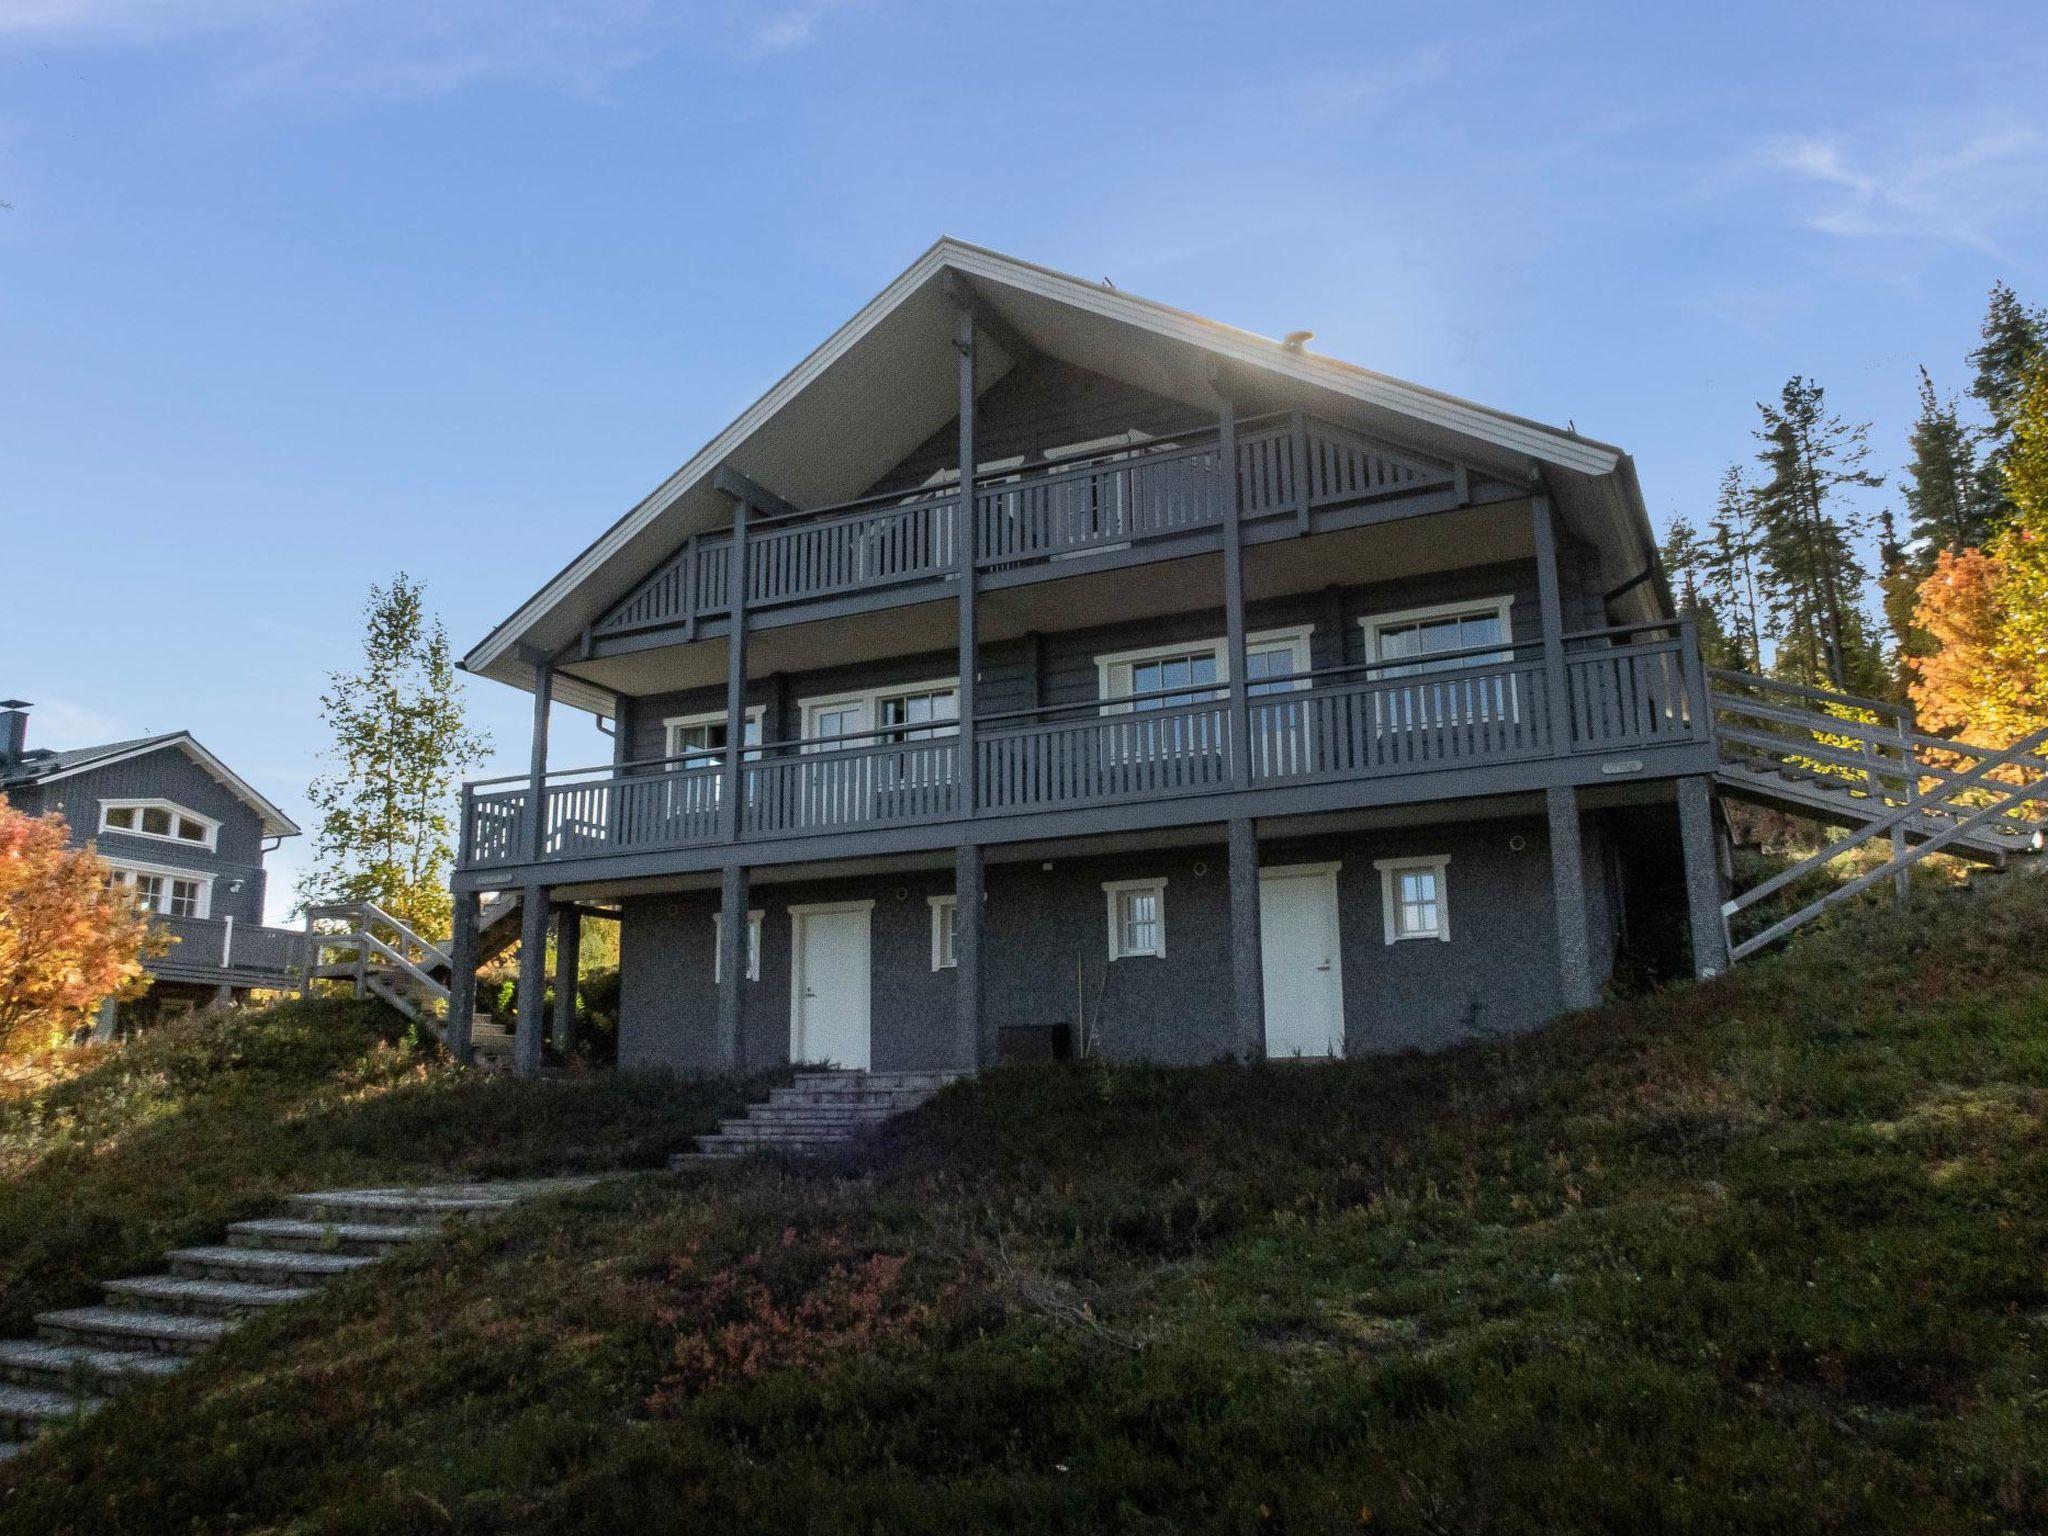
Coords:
pixel 297 293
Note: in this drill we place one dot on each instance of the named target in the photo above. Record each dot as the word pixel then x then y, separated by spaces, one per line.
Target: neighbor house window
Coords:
pixel 718 946
pixel 1414 898
pixel 158 818
pixel 1137 918
pixel 165 892
pixel 945 918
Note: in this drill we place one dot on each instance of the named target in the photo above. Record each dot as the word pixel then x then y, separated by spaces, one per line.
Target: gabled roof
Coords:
pixel 883 382
pixel 48 767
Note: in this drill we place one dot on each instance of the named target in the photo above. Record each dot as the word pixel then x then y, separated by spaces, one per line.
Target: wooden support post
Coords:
pixel 736 677
pixel 971 1049
pixel 1550 606
pixel 1235 660
pixel 734 935
pixel 1702 876
pixel 1909 794
pixel 568 940
pixel 966 551
pixel 622 730
pixel 1247 963
pixel 1303 479
pixel 1568 896
pixel 537 767
pixel 533 981
pixel 462 979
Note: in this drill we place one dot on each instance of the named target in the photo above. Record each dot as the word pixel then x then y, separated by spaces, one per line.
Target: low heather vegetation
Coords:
pixel 1763 1255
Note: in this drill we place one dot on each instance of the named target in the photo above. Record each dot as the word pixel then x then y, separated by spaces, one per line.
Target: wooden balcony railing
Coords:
pixel 1286 465
pixel 206 944
pixel 1625 689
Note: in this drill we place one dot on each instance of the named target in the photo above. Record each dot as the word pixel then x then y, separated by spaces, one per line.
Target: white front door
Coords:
pixel 829 984
pixel 1299 955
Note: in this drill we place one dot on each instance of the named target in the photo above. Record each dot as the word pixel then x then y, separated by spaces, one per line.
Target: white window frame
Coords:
pixel 1113 893
pixel 1390 903
pixel 1113 668
pixel 1373 623
pixel 124 871
pixel 945 932
pixel 868 702
pixel 754 921
pixel 673 725
pixel 211 842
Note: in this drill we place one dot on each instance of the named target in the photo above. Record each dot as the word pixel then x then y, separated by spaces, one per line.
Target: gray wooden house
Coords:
pixel 187 835
pixel 1242 703
pixel 1236 702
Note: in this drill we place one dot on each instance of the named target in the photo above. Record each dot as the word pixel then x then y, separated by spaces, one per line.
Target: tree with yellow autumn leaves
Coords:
pixel 68 940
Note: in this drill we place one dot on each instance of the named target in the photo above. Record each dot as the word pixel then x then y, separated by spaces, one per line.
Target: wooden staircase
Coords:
pixel 377 955
pixel 1862 764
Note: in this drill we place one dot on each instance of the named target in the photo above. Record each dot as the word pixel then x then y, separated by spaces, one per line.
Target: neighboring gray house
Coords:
pixel 186 834
pixel 1263 706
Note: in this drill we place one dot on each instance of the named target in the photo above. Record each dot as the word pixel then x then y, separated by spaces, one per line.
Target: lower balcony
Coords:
pixel 1623 702
pixel 221 950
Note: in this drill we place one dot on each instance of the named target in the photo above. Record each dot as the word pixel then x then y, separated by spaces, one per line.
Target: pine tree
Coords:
pixel 1806 538
pixel 1732 578
pixel 400 740
pixel 2014 338
pixel 1945 503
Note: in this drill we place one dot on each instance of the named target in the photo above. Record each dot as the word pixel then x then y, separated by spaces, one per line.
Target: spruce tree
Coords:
pixel 387 819
pixel 1686 558
pixel 2013 338
pixel 1944 497
pixel 1732 576
pixel 1807 538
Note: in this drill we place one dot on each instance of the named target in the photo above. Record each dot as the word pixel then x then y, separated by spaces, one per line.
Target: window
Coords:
pixel 1414 898
pixel 708 733
pixel 909 712
pixel 1195 673
pixel 1447 632
pixel 718 947
pixel 1137 918
pixel 945 918
pixel 167 892
pixel 158 818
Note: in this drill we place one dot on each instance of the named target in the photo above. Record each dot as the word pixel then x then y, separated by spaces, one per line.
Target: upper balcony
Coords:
pixel 1126 504
pixel 1621 702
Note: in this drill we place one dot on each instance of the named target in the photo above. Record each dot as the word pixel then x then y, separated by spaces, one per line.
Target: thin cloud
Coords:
pixel 1967 192
pixel 425 47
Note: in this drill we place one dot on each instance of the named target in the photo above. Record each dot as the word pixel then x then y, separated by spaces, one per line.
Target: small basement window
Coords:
pixel 1137 918
pixel 945 924
pixel 718 946
pixel 1414 898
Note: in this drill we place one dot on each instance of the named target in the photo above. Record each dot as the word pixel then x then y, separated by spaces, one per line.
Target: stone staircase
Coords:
pixel 150 1326
pixel 819 1112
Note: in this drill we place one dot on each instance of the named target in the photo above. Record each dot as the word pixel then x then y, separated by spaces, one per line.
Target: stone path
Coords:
pixel 150 1326
pixel 818 1112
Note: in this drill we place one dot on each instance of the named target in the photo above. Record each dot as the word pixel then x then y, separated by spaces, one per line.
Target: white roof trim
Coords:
pixel 1513 434
pixel 275 822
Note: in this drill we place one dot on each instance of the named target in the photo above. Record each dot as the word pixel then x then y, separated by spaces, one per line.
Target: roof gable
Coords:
pixel 58 766
pixel 881 387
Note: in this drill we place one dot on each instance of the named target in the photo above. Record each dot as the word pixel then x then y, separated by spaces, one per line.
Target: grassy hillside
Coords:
pixel 1759 1256
pixel 204 1122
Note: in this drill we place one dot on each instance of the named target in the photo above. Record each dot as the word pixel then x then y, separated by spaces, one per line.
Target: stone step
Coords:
pixel 371 1239
pixel 730 1146
pixel 9 1449
pixel 930 1081
pixel 789 1130
pixel 26 1411
pixel 39 1363
pixel 850 1098
pixel 199 1298
pixel 393 1207
pixel 261 1266
pixel 173 1333
pixel 819 1114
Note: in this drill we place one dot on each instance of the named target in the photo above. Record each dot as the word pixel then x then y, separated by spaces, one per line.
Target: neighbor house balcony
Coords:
pixel 1625 702
pixel 1033 522
pixel 222 950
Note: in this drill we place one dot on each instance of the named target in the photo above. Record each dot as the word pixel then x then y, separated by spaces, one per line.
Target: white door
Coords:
pixel 829 985
pixel 1299 955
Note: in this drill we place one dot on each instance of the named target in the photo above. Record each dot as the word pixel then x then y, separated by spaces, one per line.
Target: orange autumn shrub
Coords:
pixel 68 941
